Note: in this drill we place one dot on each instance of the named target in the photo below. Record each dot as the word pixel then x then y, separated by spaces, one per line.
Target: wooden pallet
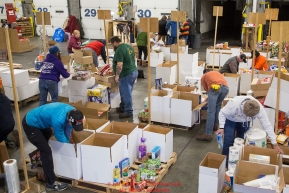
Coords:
pixel 171 126
pixel 33 71
pixel 25 101
pixel 106 188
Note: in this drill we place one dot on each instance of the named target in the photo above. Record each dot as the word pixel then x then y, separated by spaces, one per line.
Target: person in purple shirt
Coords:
pixel 51 70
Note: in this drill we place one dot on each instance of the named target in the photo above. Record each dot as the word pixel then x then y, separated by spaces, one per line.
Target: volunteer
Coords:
pixel 97 48
pixel 162 29
pixel 7 122
pixel 216 86
pixel 260 61
pixel 232 65
pixel 171 28
pixel 185 31
pixel 237 116
pixel 51 69
pixel 37 125
pixel 125 74
pixel 74 42
pixel 141 42
pixel 191 33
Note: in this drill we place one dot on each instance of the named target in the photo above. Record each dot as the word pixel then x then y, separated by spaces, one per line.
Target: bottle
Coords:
pixel 125 182
pixel 132 181
pixel 142 149
pixel 116 183
pixel 116 172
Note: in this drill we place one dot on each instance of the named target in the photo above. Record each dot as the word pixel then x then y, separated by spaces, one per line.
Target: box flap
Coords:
pixel 185 88
pixel 102 140
pixel 160 93
pixel 200 106
pixel 65 60
pixel 260 151
pixel 157 129
pixel 284 76
pixel 99 106
pixel 213 160
pixel 195 98
pixel 286 175
pixel 122 128
pixel 94 124
pixel 270 73
pixel 231 75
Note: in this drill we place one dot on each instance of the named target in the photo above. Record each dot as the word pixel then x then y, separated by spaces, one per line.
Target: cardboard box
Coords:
pixel 74 99
pixel 95 124
pixel 63 84
pixel 167 71
pixel 285 156
pixel 233 81
pixel 159 136
pixel 25 91
pixel 245 82
pixel 284 93
pixel 114 98
pixel 130 131
pixel 212 170
pixel 174 49
pixel 93 110
pixel 185 110
pixel 21 78
pixel 167 52
pixel 248 171
pixel 100 153
pixel 169 86
pixel 161 106
pixel 260 93
pixel 51 43
pixel 256 85
pixel 67 156
pixel 110 79
pixel 3 155
pixel 204 114
pixel 79 88
pixel 286 179
pixel 83 57
pixel 108 84
pixel 182 42
pixel 65 60
pixel 3 69
pixel 156 58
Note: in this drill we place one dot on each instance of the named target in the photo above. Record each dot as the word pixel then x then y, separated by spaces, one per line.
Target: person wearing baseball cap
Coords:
pixel 238 116
pixel 232 65
pixel 38 124
pixel 51 69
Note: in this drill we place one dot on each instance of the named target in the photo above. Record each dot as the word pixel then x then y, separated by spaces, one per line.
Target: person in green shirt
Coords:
pixel 142 41
pixel 126 73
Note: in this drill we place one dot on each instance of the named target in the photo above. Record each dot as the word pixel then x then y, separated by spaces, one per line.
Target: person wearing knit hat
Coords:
pixel 51 69
pixel 238 116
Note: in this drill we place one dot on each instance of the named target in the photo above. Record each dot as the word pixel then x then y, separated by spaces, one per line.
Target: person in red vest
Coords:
pixel 97 48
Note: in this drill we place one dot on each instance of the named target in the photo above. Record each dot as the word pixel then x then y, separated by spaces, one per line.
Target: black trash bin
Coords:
pixel 197 41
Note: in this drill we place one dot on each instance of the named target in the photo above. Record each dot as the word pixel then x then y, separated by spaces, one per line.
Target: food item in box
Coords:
pixel 124 166
pixel 81 67
pixel 262 159
pixel 159 84
pixel 156 152
pixel 270 182
pixel 142 149
pixel 281 138
pixel 81 75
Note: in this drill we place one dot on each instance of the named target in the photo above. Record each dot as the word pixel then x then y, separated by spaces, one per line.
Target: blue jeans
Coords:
pixel 46 86
pixel 125 85
pixel 186 38
pixel 171 40
pixel 215 99
pixel 229 135
pixel 94 56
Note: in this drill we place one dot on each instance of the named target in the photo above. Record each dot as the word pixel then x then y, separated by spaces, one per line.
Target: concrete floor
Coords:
pixel 190 151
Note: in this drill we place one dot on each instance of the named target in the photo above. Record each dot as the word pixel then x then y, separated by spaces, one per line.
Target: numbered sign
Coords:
pixel 42 9
pixel 144 13
pixel 90 13
pixel 1 9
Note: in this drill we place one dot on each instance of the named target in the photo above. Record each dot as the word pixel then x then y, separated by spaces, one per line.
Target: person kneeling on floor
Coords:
pixel 236 117
pixel 216 86
pixel 37 125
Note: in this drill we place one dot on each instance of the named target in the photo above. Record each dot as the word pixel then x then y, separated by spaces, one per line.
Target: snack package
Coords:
pixel 220 141
pixel 159 84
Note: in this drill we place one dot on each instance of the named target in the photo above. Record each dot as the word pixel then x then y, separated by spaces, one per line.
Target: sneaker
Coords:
pixel 205 137
pixel 119 110
pixel 57 186
pixel 124 115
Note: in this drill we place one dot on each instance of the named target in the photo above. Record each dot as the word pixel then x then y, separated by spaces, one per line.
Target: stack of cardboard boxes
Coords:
pixel 25 86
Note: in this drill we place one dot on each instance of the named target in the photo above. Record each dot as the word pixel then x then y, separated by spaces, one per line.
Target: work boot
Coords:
pixel 57 186
pixel 119 110
pixel 139 62
pixel 205 137
pixel 144 63
pixel 125 116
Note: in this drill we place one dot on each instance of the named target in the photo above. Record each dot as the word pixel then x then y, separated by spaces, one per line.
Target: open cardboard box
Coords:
pixel 95 124
pixel 109 79
pixel 171 86
pixel 248 171
pixel 67 156
pixel 130 131
pixel 212 170
pixel 161 106
pixel 233 81
pixel 255 86
pixel 167 72
pixel 101 152
pixel 185 110
pixel 156 58
pixel 285 156
pixel 3 155
pixel 159 136
pixel 83 57
pixel 286 179
pixel 93 110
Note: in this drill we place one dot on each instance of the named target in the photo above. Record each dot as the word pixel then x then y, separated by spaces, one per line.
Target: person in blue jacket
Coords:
pixel 171 28
pixel 37 125
pixel 51 69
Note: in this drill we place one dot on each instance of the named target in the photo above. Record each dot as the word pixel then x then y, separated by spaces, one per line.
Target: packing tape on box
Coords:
pixel 12 175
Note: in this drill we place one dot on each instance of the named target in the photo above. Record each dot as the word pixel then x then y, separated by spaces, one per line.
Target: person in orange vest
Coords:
pixel 260 61
pixel 98 49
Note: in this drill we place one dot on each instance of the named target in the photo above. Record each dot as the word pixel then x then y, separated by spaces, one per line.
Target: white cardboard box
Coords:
pixel 63 84
pixel 21 78
pixel 167 71
pixel 3 69
pixel 233 81
pixel 114 100
pixel 130 131
pixel 156 59
pixel 79 88
pixel 245 82
pixel 25 91
pixel 247 65
pixel 67 157
pixel 65 94
pixel 159 136
pixel 247 171
pixel 211 57
pixel 95 124
pixel 270 114
pixel 161 106
pixel 167 52
pixel 74 99
pixel 284 94
pixel 224 56
pixel 286 179
pixel 212 170
pixel 100 153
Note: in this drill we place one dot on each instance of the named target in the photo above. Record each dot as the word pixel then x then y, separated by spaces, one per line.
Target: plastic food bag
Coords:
pixel 58 35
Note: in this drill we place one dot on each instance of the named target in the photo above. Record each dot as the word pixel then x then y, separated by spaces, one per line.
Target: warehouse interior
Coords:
pixel 183 175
